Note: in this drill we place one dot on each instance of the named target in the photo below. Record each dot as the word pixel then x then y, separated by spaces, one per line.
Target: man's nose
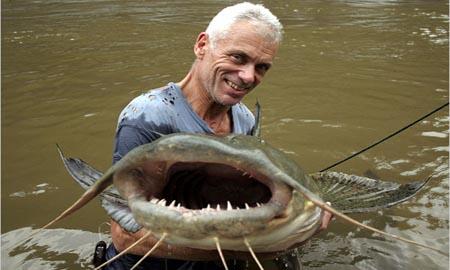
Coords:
pixel 247 74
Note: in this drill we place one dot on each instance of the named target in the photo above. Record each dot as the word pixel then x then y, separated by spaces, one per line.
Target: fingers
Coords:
pixel 326 218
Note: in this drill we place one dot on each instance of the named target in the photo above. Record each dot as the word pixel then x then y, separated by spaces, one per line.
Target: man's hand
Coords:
pixel 326 218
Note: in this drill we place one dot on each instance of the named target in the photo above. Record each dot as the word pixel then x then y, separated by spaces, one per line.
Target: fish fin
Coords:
pixel 319 202
pixel 86 176
pixel 353 194
pixel 92 192
pixel 115 206
pixel 83 173
pixel 122 215
pixel 257 128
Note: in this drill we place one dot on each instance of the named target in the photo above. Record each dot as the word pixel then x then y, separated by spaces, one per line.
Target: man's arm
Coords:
pixel 127 138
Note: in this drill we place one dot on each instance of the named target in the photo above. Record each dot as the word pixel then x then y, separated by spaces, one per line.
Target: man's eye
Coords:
pixel 237 58
pixel 262 67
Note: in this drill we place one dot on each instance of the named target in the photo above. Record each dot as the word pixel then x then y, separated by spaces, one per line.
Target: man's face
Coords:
pixel 235 65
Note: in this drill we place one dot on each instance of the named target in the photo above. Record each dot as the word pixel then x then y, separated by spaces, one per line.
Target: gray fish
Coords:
pixel 235 170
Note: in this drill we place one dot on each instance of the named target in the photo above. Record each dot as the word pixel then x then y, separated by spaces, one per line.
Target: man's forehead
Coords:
pixel 243 37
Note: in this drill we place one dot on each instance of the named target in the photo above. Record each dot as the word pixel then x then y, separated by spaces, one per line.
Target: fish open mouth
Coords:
pixel 202 188
pixel 201 200
pixel 212 186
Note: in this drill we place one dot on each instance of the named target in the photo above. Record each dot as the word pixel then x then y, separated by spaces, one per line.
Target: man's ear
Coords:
pixel 201 45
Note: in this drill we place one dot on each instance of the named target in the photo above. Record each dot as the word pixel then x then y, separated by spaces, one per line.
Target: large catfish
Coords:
pixel 232 193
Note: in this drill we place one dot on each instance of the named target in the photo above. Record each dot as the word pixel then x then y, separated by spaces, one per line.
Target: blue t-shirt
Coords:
pixel 162 111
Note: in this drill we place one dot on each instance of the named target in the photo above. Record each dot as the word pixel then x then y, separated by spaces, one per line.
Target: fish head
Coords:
pixel 196 188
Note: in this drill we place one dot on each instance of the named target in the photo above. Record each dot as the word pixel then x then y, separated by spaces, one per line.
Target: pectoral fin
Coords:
pixel 115 206
pixel 86 176
pixel 352 194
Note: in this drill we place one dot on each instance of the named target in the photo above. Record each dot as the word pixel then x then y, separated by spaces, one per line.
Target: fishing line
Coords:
pixel 384 139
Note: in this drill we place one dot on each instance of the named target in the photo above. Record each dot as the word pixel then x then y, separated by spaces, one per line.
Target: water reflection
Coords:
pixel 50 249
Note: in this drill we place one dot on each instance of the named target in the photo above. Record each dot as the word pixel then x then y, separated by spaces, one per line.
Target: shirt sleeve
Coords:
pixel 127 138
pixel 141 122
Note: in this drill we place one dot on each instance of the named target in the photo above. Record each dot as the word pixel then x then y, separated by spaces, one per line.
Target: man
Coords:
pixel 232 57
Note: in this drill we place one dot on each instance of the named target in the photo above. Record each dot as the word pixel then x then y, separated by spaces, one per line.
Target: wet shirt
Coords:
pixel 164 111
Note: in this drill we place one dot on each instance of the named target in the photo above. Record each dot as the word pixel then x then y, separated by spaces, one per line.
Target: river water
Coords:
pixel 348 73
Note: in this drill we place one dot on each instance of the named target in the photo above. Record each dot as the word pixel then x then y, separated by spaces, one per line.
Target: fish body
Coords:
pixel 196 188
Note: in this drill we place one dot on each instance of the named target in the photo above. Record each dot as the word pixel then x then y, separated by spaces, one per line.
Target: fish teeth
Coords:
pixel 229 207
pixel 208 207
pixel 258 204
pixel 218 207
pixel 247 206
pixel 162 202
pixel 154 200
pixel 172 204
pixel 178 205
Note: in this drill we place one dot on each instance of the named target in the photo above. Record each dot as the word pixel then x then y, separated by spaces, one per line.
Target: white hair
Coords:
pixel 255 14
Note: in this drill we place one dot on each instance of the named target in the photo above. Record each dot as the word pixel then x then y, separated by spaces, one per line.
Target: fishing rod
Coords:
pixel 385 138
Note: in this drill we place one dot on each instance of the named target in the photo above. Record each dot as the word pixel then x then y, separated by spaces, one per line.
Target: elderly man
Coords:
pixel 232 57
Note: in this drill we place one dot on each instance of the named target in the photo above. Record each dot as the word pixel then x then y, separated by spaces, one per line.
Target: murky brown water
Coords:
pixel 348 73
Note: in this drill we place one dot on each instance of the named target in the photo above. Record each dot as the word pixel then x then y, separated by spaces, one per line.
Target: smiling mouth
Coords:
pixel 237 87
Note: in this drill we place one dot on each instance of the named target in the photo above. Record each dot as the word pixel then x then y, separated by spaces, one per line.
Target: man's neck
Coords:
pixel 214 114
